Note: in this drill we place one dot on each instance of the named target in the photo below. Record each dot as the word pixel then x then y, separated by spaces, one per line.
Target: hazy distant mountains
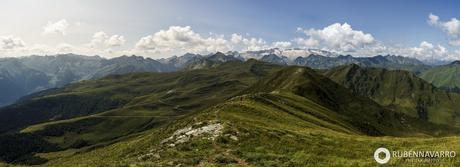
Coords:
pixel 320 59
pixel 25 75
pixel 16 80
pixel 388 61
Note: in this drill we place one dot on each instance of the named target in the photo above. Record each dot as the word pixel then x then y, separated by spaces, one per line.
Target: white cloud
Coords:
pixel 309 42
pixel 242 43
pixel 336 37
pixel 65 48
pixel 116 40
pixel 15 47
pixel 343 39
pixel 10 43
pixel 177 40
pixel 282 44
pixel 433 19
pixel 21 49
pixel 424 51
pixel 427 50
pixel 451 28
pixel 103 41
pixel 59 27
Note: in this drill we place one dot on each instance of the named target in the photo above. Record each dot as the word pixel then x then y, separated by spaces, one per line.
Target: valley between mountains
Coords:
pixel 226 110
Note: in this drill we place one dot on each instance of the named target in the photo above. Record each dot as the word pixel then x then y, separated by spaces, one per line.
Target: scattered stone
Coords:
pixel 182 139
pixel 148 156
pixel 234 138
pixel 199 129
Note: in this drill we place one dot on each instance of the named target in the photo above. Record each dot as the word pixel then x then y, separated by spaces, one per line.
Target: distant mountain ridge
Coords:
pixel 446 77
pixel 25 75
pixel 320 59
pixel 232 105
pixel 400 91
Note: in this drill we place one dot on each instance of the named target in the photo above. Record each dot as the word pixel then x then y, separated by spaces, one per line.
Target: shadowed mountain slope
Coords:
pixel 400 91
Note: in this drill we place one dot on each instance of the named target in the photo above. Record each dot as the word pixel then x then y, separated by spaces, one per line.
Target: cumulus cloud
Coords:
pixel 433 19
pixel 13 47
pixel 424 51
pixel 10 42
pixel 427 50
pixel 102 40
pixel 181 39
pixel 239 42
pixel 451 28
pixel 59 27
pixel 307 42
pixel 282 44
pixel 116 40
pixel 20 49
pixel 177 40
pixel 337 37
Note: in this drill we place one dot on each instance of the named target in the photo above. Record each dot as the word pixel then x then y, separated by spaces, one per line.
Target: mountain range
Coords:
pixel 226 111
pixel 400 91
pixel 26 75
pixel 445 76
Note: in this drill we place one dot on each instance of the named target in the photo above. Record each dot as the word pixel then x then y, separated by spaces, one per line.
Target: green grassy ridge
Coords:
pixel 364 113
pixel 54 108
pixel 445 77
pixel 400 91
pixel 281 108
pixel 89 131
pixel 141 90
pixel 297 114
pixel 267 136
pixel 151 100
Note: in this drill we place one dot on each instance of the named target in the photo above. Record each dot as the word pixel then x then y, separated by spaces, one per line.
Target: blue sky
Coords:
pixel 73 24
pixel 394 21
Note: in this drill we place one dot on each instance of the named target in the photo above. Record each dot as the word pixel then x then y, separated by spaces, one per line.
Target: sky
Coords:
pixel 163 28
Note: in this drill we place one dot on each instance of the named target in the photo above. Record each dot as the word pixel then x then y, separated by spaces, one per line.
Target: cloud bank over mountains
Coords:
pixel 177 40
pixel 337 37
pixel 451 28
pixel 10 43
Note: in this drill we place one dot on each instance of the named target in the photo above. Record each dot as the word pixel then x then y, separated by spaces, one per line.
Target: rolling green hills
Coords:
pixel 400 91
pixel 233 114
pixel 445 77
pixel 103 110
pixel 177 91
pixel 255 134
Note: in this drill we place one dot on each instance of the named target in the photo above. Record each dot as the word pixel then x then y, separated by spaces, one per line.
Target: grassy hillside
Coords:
pixel 143 101
pixel 400 91
pixel 235 114
pixel 159 91
pixel 275 129
pixel 445 77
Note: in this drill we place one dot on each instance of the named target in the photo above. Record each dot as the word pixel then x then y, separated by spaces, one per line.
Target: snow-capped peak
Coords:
pixel 289 53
